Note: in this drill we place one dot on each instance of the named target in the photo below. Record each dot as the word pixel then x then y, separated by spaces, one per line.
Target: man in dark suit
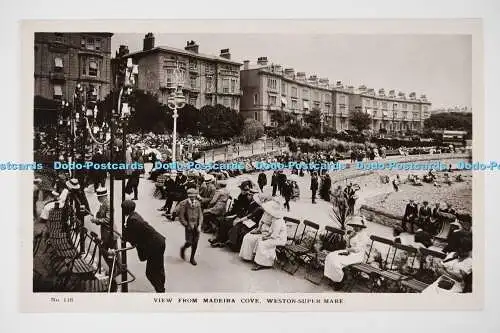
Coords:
pixel 150 245
pixel 274 182
pixel 262 181
pixel 424 216
pixel 314 186
pixel 410 216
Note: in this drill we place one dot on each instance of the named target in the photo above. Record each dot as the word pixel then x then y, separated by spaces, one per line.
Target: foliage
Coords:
pixel 45 111
pixel 340 208
pixel 313 119
pixel 360 120
pixel 220 123
pixel 252 130
pixel 149 115
pixel 450 121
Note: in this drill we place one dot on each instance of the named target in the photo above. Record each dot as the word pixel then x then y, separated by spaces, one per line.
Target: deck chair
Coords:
pixel 393 275
pixel 292 226
pixel 300 247
pixel 366 268
pixel 425 276
pixel 333 240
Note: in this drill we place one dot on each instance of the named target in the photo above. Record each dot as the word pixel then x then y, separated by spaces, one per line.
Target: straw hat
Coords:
pixel 73 184
pixel 192 191
pixel 208 178
pixel 37 181
pixel 101 192
pixel 357 221
pixel 273 208
pixel 55 193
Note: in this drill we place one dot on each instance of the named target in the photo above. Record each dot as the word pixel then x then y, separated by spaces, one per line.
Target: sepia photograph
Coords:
pixel 298 163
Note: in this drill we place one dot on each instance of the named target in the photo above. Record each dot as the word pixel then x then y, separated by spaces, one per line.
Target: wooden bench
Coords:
pixel 414 285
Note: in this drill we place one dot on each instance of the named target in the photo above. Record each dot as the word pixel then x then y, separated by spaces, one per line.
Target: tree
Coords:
pixel 313 119
pixel 450 121
pixel 220 123
pixel 45 111
pixel 360 120
pixel 252 130
pixel 189 120
pixel 149 115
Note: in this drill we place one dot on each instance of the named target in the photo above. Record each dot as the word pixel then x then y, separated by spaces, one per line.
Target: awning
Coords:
pixel 57 90
pixel 93 65
pixel 306 105
pixel 58 62
pixel 283 101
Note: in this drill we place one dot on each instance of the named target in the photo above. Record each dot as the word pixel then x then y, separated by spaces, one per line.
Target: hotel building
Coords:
pixel 208 79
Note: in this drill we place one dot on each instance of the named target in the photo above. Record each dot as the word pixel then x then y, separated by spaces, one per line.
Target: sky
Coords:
pixel 439 66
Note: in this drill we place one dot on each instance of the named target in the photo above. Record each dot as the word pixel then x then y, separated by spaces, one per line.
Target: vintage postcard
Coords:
pixel 252 165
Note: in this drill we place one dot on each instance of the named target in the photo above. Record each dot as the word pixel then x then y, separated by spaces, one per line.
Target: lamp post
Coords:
pixel 321 121
pixel 175 101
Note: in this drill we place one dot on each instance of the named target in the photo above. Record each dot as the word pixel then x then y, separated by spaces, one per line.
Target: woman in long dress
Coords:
pixel 262 241
pixel 357 245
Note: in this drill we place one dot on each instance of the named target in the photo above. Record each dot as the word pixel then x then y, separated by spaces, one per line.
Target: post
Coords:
pixel 124 242
pixel 81 217
pixel 204 155
pixel 174 136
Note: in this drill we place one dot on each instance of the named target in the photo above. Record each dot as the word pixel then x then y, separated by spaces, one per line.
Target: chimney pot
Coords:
pixel 149 42
pixel 192 46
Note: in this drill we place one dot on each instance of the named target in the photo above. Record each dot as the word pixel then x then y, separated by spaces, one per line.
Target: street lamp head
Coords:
pixel 180 99
pixel 171 101
pixel 130 64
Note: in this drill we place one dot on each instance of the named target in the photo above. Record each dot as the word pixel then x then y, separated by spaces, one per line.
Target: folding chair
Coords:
pixel 299 247
pixel 392 274
pixel 416 284
pixel 292 225
pixel 335 241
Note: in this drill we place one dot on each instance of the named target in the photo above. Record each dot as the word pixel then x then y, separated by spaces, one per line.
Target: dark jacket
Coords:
pixel 262 179
pixel 411 210
pixel 425 212
pixel 240 205
pixel 287 190
pixel 143 236
pixel 314 184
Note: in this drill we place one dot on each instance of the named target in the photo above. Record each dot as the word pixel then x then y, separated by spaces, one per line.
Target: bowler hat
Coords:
pixel 73 184
pixel 101 191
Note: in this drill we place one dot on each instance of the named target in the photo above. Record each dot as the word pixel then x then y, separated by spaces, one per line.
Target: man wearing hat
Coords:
pixel 216 207
pixel 73 193
pixel 103 218
pixel 150 245
pixel 262 242
pixel 49 205
pixel 191 217
pixel 424 216
pixel 410 216
pixel 169 190
pixel 357 244
pixel 207 189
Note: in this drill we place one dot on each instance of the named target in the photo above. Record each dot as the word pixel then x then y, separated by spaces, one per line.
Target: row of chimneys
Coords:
pixel 191 46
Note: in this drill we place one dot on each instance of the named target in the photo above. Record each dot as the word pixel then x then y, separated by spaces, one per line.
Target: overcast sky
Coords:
pixel 439 66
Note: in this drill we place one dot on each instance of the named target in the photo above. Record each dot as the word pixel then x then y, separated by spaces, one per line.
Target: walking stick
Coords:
pixel 112 273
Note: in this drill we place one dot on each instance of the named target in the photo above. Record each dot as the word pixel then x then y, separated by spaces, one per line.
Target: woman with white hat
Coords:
pixel 262 241
pixel 357 244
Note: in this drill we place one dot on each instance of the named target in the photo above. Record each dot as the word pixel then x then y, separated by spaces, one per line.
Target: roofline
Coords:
pixel 180 52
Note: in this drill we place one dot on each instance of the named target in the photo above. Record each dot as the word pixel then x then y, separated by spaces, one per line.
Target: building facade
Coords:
pixel 62 60
pixel 268 89
pixel 389 112
pixel 207 79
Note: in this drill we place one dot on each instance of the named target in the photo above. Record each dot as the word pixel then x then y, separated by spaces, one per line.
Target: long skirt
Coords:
pixel 335 263
pixel 265 252
pixel 248 246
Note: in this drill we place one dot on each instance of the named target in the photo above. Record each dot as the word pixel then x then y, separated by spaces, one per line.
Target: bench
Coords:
pixel 415 285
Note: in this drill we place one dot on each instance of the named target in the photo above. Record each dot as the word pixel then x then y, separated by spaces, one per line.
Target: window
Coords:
pixel 169 76
pixel 272 100
pixel 415 107
pixel 97 44
pixel 57 92
pixel 226 102
pixel 234 104
pixel 255 116
pixel 255 99
pixel 209 83
pixel 193 65
pixel 272 83
pixel 192 100
pixel 82 42
pixel 294 91
pixel 225 86
pixel 209 68
pixel 283 88
pixel 233 86
pixel 93 68
pixel 58 63
pixel 193 82
pixel 342 99
pixel 367 101
pixel 327 108
pixel 415 115
pixel 384 105
pixel 294 104
pixel 90 44
pixel 306 106
pixel 305 94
